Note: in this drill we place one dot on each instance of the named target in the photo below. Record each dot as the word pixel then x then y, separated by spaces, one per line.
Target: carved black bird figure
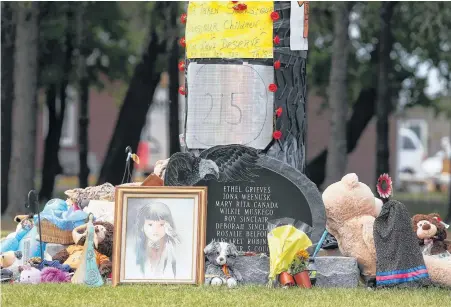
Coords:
pixel 223 163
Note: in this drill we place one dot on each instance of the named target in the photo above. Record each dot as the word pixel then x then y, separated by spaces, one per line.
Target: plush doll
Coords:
pixel 400 262
pixel 219 267
pixel 103 252
pixel 350 212
pixel 431 234
pixel 29 275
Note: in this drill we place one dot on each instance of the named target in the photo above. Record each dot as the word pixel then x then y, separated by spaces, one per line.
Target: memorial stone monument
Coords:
pixel 245 121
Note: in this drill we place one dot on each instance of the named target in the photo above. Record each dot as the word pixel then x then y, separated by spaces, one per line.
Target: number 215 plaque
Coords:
pixel 229 104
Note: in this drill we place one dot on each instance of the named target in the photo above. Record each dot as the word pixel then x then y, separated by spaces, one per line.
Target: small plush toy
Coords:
pixel 219 267
pixel 8 258
pixel 30 275
pixel 6 275
pixel 431 234
pixel 54 275
pixel 11 242
pixel 103 252
pixel 350 211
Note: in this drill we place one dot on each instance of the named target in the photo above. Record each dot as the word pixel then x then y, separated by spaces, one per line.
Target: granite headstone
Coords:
pixel 246 189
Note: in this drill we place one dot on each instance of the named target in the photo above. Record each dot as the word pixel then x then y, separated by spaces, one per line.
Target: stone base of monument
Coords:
pixel 341 272
pixel 330 252
pixel 254 269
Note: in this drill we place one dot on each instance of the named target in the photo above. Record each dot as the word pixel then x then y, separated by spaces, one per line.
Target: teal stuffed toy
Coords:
pixel 12 241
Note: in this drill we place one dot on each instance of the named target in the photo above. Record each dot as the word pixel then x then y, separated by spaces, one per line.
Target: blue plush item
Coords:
pixel 54 264
pixel 63 216
pixel 12 243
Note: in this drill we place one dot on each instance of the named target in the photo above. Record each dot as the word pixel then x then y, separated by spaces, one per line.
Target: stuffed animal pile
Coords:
pixel 21 254
pixel 351 210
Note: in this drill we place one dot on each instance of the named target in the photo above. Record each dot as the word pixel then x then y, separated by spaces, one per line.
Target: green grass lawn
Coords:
pixel 152 295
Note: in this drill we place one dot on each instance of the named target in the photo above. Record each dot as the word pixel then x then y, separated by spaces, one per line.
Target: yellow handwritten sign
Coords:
pixel 215 30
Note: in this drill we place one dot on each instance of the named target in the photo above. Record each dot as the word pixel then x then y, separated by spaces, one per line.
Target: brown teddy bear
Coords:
pixel 431 233
pixel 351 209
pixel 104 250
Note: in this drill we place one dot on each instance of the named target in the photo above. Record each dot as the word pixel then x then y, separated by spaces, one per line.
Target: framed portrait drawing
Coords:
pixel 159 235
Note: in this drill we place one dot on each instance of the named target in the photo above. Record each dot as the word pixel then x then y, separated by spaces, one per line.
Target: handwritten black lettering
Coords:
pixel 240 25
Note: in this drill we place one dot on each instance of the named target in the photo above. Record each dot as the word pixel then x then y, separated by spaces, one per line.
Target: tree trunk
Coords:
pixel 22 168
pixel 174 125
pixel 383 104
pixel 50 148
pixel 132 115
pixel 7 92
pixel 83 140
pixel 448 215
pixel 83 94
pixel 363 112
pixel 51 164
pixel 338 102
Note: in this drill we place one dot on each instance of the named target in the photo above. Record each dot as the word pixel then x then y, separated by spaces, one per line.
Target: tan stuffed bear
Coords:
pixel 351 209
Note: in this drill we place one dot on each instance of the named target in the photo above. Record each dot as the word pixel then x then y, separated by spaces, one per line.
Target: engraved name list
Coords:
pixel 244 212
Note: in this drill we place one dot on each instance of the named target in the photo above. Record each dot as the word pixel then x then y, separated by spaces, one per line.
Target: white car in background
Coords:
pixel 411 153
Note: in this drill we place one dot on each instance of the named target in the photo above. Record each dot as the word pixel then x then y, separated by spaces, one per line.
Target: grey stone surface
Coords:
pixel 341 272
pixel 254 269
pixel 53 248
pixel 307 187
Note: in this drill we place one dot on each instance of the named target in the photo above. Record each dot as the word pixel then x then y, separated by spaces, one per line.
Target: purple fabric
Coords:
pixel 54 275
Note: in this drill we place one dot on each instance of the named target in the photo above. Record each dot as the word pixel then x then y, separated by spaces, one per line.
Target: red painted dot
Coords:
pixel 182 42
pixel 275 16
pixel 182 90
pixel 272 87
pixel 276 40
pixel 181 65
pixel 279 111
pixel 277 135
pixel 277 64
pixel 183 18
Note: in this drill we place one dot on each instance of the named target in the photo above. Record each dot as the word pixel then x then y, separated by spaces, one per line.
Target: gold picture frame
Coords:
pixel 152 224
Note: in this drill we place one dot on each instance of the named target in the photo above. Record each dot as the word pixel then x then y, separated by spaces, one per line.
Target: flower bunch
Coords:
pixel 300 262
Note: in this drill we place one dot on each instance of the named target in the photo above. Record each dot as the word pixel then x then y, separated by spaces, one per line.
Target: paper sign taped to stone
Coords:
pixel 299 25
pixel 229 104
pixel 215 30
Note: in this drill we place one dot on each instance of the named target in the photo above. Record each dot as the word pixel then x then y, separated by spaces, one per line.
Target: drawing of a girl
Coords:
pixel 156 241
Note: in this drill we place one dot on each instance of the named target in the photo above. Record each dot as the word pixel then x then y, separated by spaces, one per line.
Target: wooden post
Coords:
pixel 223 97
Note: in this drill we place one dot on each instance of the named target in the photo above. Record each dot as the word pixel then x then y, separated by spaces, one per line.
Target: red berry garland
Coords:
pixel 182 90
pixel 183 18
pixel 279 111
pixel 181 65
pixel 240 7
pixel 272 88
pixel 276 40
pixel 277 135
pixel 277 64
pixel 182 42
pixel 275 16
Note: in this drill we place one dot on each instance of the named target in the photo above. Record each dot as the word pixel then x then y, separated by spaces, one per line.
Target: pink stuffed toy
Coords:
pixel 54 275
pixel 30 275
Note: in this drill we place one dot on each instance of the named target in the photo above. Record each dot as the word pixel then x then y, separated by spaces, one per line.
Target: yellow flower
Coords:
pixel 303 254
